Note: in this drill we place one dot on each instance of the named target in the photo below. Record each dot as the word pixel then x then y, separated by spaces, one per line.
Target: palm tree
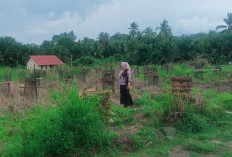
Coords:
pixel 103 39
pixel 133 29
pixel 148 35
pixel 228 26
pixel 165 30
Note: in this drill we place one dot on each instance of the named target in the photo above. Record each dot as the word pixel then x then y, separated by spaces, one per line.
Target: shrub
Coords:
pixel 86 60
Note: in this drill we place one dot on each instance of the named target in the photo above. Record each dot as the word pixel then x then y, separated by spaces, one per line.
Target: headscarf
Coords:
pixel 124 66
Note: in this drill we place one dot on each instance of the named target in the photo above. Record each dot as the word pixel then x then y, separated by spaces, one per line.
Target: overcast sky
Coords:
pixel 32 21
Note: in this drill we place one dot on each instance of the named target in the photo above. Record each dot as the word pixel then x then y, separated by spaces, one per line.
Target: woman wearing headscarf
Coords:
pixel 124 82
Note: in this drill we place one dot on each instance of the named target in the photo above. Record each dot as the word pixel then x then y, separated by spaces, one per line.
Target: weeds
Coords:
pixel 192 122
pixel 74 125
pixel 122 115
pixel 202 147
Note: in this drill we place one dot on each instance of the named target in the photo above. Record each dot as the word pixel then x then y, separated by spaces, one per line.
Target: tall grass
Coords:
pixel 75 125
pixel 81 118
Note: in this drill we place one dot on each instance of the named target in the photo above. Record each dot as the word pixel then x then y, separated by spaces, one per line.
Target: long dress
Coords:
pixel 125 97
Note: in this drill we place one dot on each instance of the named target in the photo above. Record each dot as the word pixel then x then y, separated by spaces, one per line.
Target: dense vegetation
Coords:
pixel 65 124
pixel 138 47
pixel 73 125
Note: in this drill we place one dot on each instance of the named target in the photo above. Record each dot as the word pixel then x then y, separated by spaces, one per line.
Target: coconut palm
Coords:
pixel 228 26
pixel 165 30
pixel 103 38
pixel 133 29
pixel 148 35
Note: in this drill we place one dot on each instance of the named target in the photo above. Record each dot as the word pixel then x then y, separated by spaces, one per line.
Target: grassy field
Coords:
pixel 61 123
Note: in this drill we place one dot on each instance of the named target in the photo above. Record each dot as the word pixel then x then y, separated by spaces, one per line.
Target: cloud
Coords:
pixel 30 21
pixel 184 16
pixel 195 24
pixel 65 23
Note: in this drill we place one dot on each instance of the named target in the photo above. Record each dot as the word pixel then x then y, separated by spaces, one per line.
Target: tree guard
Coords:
pixel 5 86
pixel 199 69
pixel 108 79
pixel 151 76
pixel 181 90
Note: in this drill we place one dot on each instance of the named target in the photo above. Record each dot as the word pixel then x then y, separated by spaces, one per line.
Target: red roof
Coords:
pixel 46 60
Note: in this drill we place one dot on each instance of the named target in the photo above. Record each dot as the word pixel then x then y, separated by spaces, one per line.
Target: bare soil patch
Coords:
pixel 178 151
pixel 217 86
pixel 125 136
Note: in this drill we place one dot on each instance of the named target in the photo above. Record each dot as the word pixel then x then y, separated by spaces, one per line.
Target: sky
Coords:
pixel 32 21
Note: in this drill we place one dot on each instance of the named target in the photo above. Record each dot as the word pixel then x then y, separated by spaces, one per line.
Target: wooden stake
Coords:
pixel 8 79
pixel 36 94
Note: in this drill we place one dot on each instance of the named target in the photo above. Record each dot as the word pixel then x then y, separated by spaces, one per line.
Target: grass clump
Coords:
pixel 144 138
pixel 74 125
pixel 81 119
pixel 192 122
pixel 202 147
pixel 212 114
pixel 144 100
pixel 122 115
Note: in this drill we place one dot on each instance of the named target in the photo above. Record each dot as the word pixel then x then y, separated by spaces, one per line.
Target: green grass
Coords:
pixel 202 147
pixel 76 125
pixel 122 115
pixel 14 73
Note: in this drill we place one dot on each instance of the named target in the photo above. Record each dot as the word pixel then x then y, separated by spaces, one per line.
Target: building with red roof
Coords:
pixel 43 62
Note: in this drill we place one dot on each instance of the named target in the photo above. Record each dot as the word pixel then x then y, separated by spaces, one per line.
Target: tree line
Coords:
pixel 138 47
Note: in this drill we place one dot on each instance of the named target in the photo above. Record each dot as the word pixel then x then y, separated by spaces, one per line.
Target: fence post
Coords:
pixel 36 94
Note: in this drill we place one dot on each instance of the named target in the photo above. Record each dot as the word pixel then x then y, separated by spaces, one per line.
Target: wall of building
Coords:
pixel 31 63
pixel 46 67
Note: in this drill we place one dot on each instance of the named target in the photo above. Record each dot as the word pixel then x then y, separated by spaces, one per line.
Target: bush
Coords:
pixel 86 61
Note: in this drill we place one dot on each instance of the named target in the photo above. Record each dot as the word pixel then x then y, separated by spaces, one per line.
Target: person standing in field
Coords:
pixel 125 84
